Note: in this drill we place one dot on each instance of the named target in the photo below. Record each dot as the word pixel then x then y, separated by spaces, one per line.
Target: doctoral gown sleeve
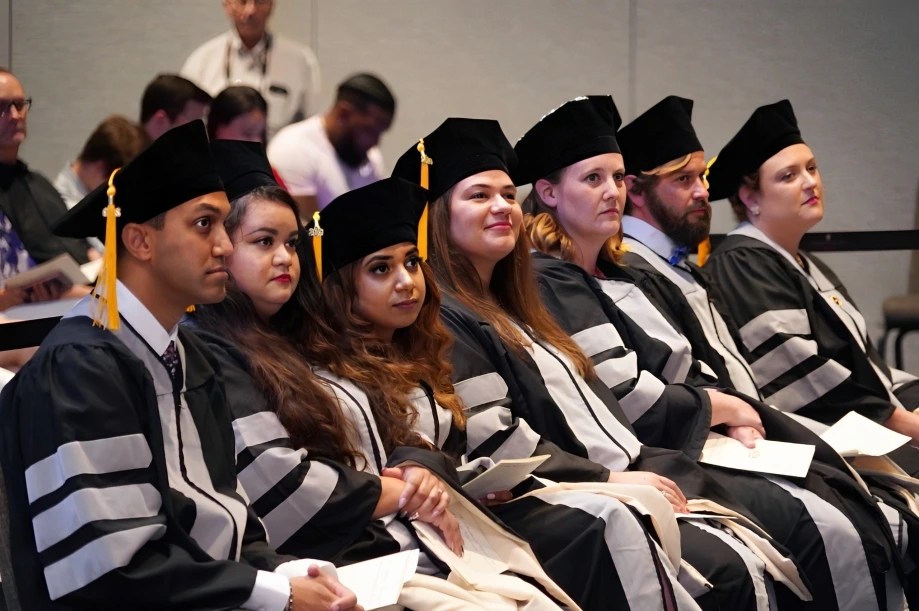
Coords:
pixel 626 360
pixel 87 493
pixel 801 355
pixel 493 428
pixel 311 507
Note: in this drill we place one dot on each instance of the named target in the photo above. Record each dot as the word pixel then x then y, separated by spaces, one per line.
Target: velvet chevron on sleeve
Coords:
pixel 496 427
pixel 311 507
pixel 803 356
pixel 628 362
pixel 94 519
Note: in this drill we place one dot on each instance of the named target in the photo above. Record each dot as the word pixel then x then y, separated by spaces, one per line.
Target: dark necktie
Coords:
pixel 171 360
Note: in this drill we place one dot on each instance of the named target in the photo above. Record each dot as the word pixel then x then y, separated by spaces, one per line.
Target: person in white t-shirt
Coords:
pixel 284 72
pixel 330 154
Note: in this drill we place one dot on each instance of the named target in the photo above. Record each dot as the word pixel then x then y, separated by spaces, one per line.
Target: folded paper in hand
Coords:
pixel 378 582
pixel 777 457
pixel 503 476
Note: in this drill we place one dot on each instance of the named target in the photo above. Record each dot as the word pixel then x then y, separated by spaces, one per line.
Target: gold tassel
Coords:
pixel 705 246
pixel 105 292
pixel 316 232
pixel 708 168
pixel 705 249
pixel 190 309
pixel 423 221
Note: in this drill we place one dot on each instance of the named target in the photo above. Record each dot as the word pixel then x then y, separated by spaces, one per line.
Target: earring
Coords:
pixel 754 210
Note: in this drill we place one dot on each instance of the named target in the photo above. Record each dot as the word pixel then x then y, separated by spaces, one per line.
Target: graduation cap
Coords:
pixel 663 133
pixel 457 149
pixel 769 129
pixel 174 169
pixel 368 219
pixel 578 129
pixel 243 166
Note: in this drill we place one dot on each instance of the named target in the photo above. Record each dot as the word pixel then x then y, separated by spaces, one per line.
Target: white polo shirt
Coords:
pixel 307 162
pixel 284 72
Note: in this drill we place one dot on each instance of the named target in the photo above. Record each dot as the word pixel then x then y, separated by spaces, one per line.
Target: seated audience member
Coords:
pixel 114 142
pixel 238 113
pixel 29 204
pixel 320 490
pixel 117 446
pixel 285 72
pixel 330 154
pixel 170 100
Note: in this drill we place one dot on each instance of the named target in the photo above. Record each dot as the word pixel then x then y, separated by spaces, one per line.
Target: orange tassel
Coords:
pixel 423 221
pixel 705 249
pixel 316 232
pixel 105 292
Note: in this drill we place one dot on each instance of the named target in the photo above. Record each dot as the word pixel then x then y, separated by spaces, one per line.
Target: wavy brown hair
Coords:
pixel 389 372
pixel 511 298
pixel 304 406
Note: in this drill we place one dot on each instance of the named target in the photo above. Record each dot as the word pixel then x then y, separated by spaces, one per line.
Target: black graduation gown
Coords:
pixel 675 416
pixel 529 400
pixel 568 543
pixel 668 298
pixel 843 372
pixel 312 507
pixel 86 405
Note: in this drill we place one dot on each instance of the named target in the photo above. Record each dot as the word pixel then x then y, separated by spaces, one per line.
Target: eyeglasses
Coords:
pixel 21 105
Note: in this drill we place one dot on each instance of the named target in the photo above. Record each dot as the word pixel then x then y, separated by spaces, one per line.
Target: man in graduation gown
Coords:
pixel 117 448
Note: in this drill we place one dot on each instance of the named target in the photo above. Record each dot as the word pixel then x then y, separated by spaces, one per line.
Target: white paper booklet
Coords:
pixel 777 457
pixel 62 268
pixel 377 583
pixel 503 476
pixel 855 435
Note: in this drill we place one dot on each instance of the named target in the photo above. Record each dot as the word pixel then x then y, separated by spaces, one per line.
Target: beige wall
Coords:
pixel 848 67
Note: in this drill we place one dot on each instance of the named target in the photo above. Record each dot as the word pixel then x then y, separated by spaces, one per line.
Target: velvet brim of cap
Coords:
pixel 444 178
pixel 248 182
pixel 667 148
pixel 726 174
pixel 550 161
pixel 86 220
pixel 337 254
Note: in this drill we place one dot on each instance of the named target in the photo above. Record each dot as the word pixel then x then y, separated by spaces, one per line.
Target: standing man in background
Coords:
pixel 284 72
pixel 336 152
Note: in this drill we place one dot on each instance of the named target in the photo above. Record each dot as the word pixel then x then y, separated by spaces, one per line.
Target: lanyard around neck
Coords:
pixel 266 56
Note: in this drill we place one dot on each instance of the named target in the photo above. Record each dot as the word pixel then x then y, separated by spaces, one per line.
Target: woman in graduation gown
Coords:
pixel 536 382
pixel 805 338
pixel 319 480
pixel 573 161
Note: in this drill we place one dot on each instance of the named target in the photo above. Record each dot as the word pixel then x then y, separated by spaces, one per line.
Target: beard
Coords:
pixel 685 228
pixel 348 152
